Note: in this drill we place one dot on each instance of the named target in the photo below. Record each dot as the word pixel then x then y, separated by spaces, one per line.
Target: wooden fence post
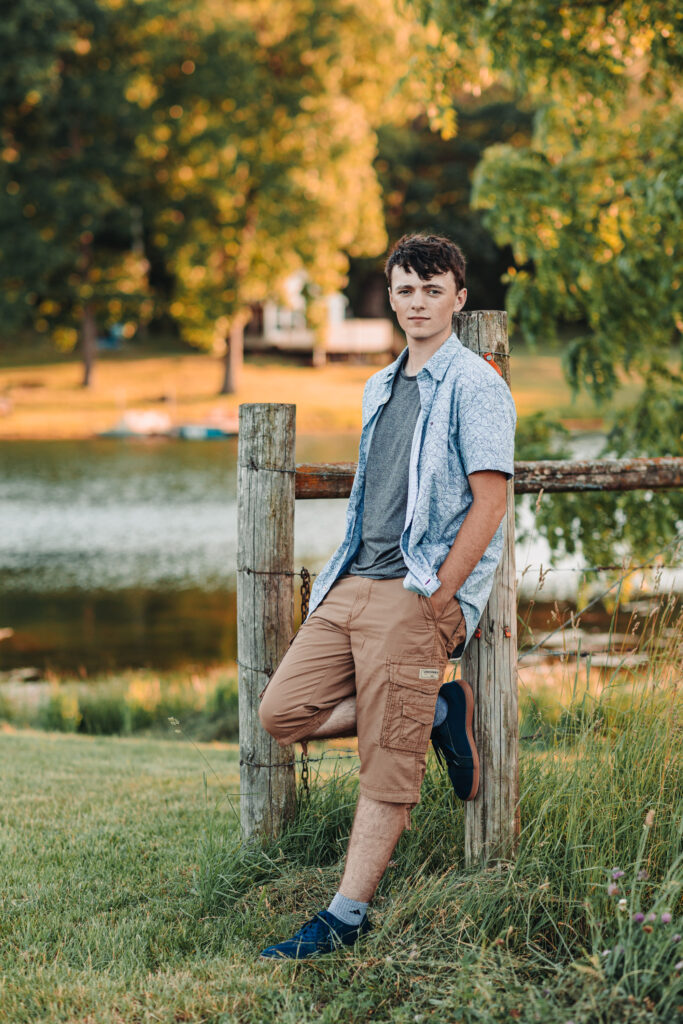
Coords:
pixel 265 604
pixel 490 662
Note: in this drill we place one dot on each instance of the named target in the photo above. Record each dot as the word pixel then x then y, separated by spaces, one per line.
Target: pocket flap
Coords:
pixel 407 674
pixel 418 713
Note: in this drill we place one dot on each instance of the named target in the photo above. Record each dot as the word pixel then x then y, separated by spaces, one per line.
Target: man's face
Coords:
pixel 424 308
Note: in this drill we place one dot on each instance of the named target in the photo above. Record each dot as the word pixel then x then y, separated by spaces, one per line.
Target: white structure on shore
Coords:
pixel 283 325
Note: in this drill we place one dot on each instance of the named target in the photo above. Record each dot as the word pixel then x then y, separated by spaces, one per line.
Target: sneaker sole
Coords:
pixel 469 713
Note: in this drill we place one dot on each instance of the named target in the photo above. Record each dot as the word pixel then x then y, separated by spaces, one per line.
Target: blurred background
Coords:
pixel 195 204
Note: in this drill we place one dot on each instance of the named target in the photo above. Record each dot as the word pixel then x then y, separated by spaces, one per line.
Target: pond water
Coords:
pixel 124 553
pixel 117 554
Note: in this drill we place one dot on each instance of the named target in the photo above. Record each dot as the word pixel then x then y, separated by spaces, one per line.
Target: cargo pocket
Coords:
pixel 450 626
pixel 409 709
pixel 454 628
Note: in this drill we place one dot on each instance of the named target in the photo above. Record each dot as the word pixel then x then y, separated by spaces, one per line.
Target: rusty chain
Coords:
pixel 305 592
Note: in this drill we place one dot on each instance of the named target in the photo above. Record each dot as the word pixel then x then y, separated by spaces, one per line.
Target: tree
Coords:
pixel 426 183
pixel 69 176
pixel 264 139
pixel 591 208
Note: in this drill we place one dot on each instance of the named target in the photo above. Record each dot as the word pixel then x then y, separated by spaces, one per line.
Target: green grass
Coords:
pixel 99 842
pixel 43 397
pixel 130 702
pixel 127 896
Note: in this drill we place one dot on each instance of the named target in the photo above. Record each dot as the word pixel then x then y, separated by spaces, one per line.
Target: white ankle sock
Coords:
pixel 348 911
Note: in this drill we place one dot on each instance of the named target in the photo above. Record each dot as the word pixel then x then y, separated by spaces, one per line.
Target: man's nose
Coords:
pixel 418 302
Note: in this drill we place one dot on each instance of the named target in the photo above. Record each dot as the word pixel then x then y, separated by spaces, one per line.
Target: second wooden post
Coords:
pixel 265 605
pixel 489 663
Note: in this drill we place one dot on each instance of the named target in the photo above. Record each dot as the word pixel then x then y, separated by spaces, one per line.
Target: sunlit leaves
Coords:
pixel 269 161
pixel 69 175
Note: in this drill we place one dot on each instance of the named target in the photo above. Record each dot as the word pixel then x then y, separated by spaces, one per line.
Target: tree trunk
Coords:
pixel 234 356
pixel 88 344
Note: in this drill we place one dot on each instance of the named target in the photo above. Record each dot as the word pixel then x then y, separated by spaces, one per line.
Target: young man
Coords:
pixel 406 587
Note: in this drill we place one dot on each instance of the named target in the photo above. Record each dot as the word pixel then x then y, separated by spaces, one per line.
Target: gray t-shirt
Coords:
pixel 386 484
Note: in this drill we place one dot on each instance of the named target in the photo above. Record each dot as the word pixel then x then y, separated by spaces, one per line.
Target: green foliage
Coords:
pixel 104 717
pixel 190 154
pixel 262 147
pixel 592 207
pixel 605 526
pixel 69 173
pixel 113 708
pixel 426 187
pixel 59 714
pixel 540 436
pixel 595 239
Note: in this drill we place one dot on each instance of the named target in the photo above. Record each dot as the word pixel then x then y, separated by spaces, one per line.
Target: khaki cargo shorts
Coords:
pixel 383 644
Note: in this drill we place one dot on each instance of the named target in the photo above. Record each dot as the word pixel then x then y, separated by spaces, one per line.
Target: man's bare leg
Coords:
pixel 377 825
pixel 342 722
pixel 377 828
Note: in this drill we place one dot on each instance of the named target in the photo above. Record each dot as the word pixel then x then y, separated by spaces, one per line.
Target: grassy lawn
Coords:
pixel 42 396
pixel 126 896
pixel 99 842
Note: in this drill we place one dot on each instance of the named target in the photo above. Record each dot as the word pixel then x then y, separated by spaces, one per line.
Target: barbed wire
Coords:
pixel 305 574
pixel 591 568
pixel 577 614
pixel 626 571
pixel 336 754
pixel 340 755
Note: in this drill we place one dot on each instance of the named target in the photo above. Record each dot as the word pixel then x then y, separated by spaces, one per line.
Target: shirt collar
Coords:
pixel 436 366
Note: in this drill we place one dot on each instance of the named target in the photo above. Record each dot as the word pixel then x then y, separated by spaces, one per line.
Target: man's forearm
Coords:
pixel 474 536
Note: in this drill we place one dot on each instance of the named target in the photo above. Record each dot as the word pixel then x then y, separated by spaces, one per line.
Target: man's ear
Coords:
pixel 460 300
pixel 391 301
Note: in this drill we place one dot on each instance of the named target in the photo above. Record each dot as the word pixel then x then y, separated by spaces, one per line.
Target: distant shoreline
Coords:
pixel 44 401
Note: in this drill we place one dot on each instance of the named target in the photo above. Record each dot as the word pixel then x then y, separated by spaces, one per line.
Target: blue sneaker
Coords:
pixel 322 934
pixel 453 741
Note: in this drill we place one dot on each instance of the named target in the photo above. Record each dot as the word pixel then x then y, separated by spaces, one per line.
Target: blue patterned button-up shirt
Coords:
pixel 466 424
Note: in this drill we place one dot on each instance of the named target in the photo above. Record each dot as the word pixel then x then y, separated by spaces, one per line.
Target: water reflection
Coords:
pixel 115 554
pixel 85 632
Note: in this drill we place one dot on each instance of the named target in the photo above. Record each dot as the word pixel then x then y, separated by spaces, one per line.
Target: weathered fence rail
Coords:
pixel 268 484
pixel 334 479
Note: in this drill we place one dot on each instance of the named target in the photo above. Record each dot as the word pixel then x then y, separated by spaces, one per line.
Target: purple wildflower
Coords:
pixel 652 916
pixel 666 917
pixel 676 938
pixel 678 966
pixel 639 918
pixel 612 889
pixel 617 873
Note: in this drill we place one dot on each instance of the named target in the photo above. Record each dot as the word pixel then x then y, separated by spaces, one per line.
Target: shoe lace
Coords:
pixel 311 930
pixel 460 760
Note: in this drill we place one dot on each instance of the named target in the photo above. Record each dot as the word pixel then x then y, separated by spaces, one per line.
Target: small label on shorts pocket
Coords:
pixel 429 673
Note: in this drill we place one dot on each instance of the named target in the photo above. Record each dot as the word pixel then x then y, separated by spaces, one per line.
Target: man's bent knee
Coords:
pixel 285 724
pixel 268 717
pixel 292 724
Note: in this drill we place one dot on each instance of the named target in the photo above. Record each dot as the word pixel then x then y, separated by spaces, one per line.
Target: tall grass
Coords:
pixel 583 925
pixel 136 701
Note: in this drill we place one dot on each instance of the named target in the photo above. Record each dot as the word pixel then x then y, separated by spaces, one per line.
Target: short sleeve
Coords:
pixel 485 425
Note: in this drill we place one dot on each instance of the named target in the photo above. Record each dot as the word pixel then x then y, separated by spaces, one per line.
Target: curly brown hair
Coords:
pixel 427 255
